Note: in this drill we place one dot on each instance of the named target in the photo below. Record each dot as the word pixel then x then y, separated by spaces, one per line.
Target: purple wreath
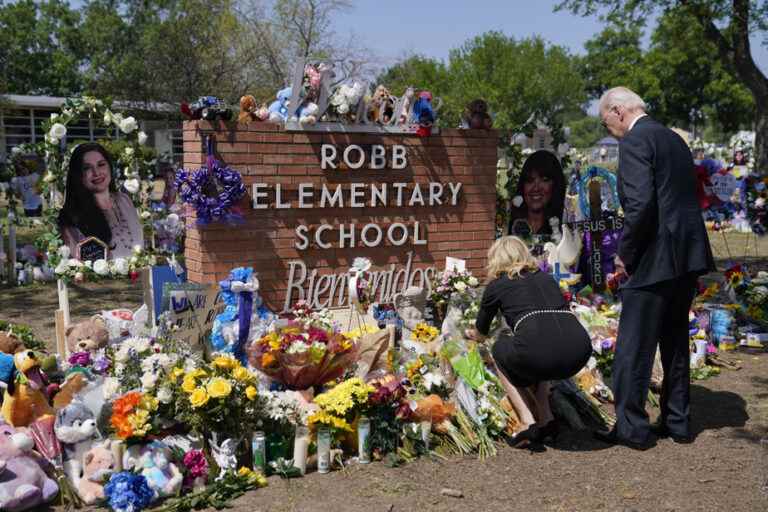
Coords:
pixel 213 190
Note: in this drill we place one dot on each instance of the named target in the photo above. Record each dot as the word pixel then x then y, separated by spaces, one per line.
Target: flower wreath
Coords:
pixel 213 190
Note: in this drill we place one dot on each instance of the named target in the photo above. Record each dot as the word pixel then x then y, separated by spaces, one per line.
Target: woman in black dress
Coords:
pixel 546 341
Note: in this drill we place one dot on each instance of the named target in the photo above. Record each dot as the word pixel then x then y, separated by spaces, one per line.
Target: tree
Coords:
pixel 613 56
pixel 416 71
pixel 40 48
pixel 725 24
pixel 585 132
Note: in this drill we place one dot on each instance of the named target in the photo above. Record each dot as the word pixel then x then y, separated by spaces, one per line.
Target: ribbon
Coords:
pixel 244 291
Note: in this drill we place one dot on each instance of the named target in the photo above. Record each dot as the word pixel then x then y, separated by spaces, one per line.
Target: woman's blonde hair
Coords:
pixel 509 255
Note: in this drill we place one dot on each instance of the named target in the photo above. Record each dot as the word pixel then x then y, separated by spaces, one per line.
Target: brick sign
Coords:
pixel 318 200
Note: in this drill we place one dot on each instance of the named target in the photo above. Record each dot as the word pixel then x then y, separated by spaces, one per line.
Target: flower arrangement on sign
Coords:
pixel 304 352
pixel 213 190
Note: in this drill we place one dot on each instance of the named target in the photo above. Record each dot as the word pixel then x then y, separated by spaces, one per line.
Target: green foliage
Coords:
pixel 613 57
pixel 585 132
pixel 24 333
pixel 217 494
pixel 40 48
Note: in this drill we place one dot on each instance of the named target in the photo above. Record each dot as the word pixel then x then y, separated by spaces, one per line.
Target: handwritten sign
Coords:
pixel 723 186
pixel 192 309
pixel 92 249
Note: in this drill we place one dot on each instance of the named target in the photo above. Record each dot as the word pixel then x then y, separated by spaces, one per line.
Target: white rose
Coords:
pixel 142 138
pixel 165 395
pixel 64 252
pixel 132 185
pixel 88 263
pixel 120 265
pixel 54 116
pixel 148 381
pixel 128 152
pixel 460 286
pixel 517 201
pixel 128 124
pixel 473 281
pixel 110 388
pixel 101 267
pixel 57 131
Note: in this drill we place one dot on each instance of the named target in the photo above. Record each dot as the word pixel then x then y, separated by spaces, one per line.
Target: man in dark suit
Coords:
pixel 663 249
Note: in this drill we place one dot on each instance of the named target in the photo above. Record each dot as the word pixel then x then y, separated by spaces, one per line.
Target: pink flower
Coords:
pixel 195 462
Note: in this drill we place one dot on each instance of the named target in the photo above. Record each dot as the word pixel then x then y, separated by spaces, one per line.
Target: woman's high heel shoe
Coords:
pixel 549 432
pixel 525 438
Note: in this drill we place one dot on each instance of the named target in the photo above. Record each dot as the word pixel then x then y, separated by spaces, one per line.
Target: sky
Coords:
pixel 396 28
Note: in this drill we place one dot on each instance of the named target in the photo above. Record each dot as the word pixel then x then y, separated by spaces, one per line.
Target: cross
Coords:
pixel 557 275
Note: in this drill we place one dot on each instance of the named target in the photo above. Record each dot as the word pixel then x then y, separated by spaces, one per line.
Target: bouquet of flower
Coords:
pixel 220 396
pixel 339 405
pixel 388 409
pixel 303 353
pixel 133 416
pixel 424 377
pixel 344 102
pixel 283 412
pixel 128 492
pixel 447 283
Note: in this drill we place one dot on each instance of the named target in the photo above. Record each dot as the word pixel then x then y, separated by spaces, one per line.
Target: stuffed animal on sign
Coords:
pixel 248 109
pixel 404 115
pixel 75 427
pixel 23 483
pixel 308 113
pixel 98 466
pixel 24 400
pixel 476 115
pixel 278 110
pixel 87 336
pixel 382 106
pixel 423 114
pixel 162 475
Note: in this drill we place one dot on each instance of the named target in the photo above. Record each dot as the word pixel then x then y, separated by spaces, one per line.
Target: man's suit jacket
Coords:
pixel 664 235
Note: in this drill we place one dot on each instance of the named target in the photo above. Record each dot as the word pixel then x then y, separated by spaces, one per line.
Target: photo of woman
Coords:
pixel 540 196
pixel 94 207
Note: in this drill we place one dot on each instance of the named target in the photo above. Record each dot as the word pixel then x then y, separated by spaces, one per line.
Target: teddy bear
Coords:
pixel 382 106
pixel 24 399
pixel 75 427
pixel 248 107
pixel 98 466
pixel 162 475
pixel 476 115
pixel 23 483
pixel 87 336
pixel 308 113
pixel 278 109
pixel 10 343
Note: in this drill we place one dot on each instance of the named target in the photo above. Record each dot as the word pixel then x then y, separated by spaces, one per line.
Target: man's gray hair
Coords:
pixel 621 97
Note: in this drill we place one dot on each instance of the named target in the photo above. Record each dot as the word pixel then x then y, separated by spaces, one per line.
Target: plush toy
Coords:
pixel 308 113
pixel 382 106
pixel 278 110
pixel 162 475
pixel 248 108
pixel 24 400
pixel 9 343
pixel 88 335
pixel 209 108
pixel 23 483
pixel 423 114
pixel 405 110
pixel 476 115
pixel 262 114
pixel 98 466
pixel 75 428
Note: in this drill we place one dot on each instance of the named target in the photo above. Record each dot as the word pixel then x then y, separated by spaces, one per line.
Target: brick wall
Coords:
pixel 265 153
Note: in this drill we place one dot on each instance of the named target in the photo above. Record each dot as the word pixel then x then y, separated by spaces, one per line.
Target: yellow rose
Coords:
pixel 241 374
pixel 189 384
pixel 219 388
pixel 177 372
pixel 251 392
pixel 244 471
pixel 198 398
pixel 198 372
pixel 224 362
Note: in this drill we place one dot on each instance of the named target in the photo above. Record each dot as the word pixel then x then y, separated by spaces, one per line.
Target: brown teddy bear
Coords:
pixel 9 343
pixel 87 336
pixel 476 115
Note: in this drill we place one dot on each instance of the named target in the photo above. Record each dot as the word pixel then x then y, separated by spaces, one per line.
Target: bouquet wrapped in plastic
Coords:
pixel 307 351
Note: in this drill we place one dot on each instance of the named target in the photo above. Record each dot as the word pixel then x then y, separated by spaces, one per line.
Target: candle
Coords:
pixel 363 440
pixel 300 449
pixel 259 449
pixel 323 450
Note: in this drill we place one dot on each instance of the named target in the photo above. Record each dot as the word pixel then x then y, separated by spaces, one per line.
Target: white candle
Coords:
pixel 61 287
pixel 301 448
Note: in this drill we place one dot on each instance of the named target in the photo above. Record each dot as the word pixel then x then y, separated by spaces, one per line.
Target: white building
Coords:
pixel 22 117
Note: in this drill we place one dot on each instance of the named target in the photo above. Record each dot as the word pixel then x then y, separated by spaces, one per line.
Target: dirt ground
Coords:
pixel 721 470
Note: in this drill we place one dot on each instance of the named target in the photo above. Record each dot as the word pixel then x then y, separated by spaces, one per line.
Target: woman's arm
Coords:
pixel 489 306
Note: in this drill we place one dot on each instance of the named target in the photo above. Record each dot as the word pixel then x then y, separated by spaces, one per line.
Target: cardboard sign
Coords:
pixel 723 186
pixel 92 249
pixel 455 264
pixel 192 309
pixel 162 274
